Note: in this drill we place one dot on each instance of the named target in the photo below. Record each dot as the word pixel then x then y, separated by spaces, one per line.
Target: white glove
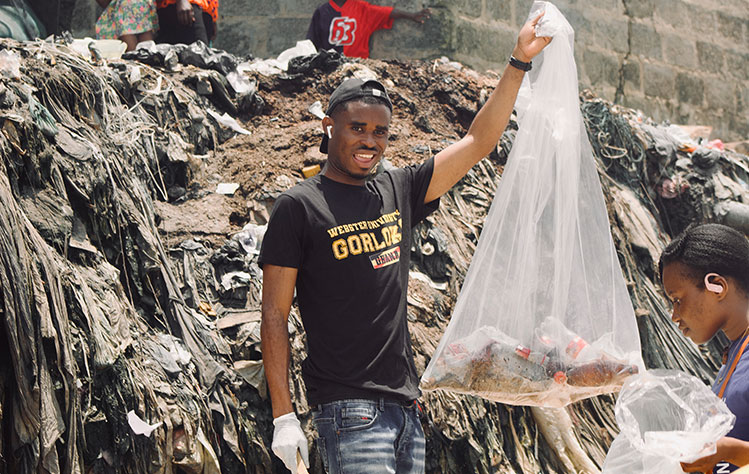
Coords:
pixel 288 437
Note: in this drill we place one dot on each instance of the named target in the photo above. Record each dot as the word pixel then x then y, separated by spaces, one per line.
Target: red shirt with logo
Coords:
pixel 347 29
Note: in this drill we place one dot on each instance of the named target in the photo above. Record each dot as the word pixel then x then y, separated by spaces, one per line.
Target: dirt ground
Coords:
pixel 434 103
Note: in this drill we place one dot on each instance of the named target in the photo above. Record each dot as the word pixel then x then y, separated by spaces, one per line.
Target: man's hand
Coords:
pixel 730 450
pixel 288 437
pixel 529 45
pixel 417 17
pixel 420 17
pixel 185 13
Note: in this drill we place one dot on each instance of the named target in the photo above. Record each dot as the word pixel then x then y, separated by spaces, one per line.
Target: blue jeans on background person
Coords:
pixel 370 437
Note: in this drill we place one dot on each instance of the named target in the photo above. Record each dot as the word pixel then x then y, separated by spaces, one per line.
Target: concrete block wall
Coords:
pixel 686 61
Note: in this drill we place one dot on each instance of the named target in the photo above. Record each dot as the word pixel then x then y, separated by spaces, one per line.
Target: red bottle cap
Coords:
pixel 560 377
pixel 523 352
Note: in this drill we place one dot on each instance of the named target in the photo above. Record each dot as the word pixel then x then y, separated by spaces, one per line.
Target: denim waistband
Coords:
pixel 380 401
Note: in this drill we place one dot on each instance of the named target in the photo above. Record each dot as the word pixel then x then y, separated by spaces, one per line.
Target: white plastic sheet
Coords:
pixel 665 417
pixel 139 426
pixel 544 317
pixel 271 67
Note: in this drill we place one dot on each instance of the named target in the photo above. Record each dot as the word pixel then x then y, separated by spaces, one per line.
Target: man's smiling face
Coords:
pixel 359 137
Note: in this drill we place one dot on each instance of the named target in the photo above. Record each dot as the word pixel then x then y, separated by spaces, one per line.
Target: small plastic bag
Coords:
pixel 665 417
pixel 544 317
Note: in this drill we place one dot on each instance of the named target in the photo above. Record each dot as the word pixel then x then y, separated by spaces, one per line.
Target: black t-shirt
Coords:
pixel 351 246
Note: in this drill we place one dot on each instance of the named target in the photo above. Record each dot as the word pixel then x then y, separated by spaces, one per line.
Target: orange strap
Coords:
pixel 733 365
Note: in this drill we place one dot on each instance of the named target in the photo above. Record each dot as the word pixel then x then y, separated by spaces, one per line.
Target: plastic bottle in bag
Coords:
pixel 453 368
pixel 587 366
pixel 579 349
pixel 505 359
pixel 555 335
pixel 554 367
pixel 489 361
pixel 599 372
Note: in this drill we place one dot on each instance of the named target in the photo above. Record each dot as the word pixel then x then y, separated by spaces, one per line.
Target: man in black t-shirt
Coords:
pixel 343 242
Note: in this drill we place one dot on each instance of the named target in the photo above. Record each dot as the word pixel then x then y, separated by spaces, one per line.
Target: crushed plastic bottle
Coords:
pixel 554 367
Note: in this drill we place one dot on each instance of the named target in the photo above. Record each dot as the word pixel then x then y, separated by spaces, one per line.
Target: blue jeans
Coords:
pixel 370 437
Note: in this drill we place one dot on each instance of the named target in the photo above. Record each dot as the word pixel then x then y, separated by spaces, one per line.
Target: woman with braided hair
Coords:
pixel 705 274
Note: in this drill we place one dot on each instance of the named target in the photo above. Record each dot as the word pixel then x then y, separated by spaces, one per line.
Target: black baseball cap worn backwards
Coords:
pixel 351 89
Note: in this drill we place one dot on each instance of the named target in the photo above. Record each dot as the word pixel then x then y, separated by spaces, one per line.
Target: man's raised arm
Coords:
pixel 452 163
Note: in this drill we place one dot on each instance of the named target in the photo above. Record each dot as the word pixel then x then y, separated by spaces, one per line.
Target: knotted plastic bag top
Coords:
pixel 665 417
pixel 544 317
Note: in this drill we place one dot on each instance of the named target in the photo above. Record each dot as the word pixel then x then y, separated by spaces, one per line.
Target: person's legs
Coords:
pixel 368 437
pixel 167 24
pixel 172 32
pixel 198 27
pixel 411 448
pixel 129 40
pixel 147 36
pixel 210 27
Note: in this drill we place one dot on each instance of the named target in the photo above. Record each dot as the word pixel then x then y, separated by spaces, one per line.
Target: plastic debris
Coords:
pixel 227 188
pixel 271 67
pixel 267 67
pixel 360 71
pixel 326 61
pixel 10 65
pixel 251 238
pixel 205 308
pixel 235 280
pixel 98 49
pixel 302 48
pixel 665 417
pixel 716 144
pixel 196 54
pixel 240 83
pixel 317 110
pixel 139 426
pixel 228 121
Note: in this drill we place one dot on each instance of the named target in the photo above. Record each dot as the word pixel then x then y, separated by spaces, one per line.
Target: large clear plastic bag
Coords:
pixel 544 317
pixel 665 417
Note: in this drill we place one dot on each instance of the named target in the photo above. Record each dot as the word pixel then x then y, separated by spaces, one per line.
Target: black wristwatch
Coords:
pixel 518 64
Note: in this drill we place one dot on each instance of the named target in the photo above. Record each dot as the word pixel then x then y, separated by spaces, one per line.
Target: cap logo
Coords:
pixel 376 92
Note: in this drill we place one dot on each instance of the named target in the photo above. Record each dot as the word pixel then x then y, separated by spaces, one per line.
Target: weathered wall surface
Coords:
pixel 686 61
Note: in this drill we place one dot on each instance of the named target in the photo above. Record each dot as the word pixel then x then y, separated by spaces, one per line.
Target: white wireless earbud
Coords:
pixel 714 287
pixel 330 135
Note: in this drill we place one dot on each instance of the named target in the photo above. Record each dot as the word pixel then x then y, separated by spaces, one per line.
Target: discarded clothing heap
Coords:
pixel 99 339
pixel 125 354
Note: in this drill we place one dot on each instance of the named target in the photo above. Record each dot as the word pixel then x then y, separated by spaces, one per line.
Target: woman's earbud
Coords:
pixel 714 287
pixel 330 135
